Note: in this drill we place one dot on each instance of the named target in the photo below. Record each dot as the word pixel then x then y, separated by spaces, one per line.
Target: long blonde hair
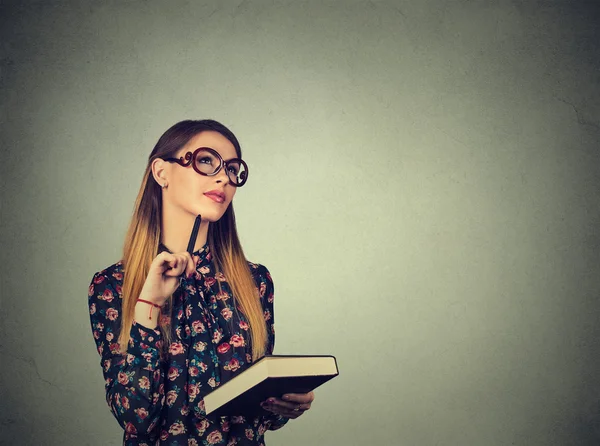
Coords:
pixel 143 237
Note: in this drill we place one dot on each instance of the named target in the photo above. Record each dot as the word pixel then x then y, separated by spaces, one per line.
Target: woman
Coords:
pixel 170 326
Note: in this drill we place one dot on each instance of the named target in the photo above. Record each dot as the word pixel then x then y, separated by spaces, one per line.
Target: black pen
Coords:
pixel 192 241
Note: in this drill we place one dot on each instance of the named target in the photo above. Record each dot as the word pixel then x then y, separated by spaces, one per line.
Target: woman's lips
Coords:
pixel 215 197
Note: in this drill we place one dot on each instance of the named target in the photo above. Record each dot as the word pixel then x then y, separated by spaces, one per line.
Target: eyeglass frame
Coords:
pixel 190 157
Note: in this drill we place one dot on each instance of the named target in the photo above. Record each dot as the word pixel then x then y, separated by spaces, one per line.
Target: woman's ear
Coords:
pixel 159 171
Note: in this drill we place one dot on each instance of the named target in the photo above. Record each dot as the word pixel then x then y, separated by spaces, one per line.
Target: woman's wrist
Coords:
pixel 146 314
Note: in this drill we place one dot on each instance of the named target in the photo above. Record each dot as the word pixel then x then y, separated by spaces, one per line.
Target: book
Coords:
pixel 270 376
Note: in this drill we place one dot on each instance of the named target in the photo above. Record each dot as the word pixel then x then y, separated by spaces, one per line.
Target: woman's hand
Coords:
pixel 291 406
pixel 164 275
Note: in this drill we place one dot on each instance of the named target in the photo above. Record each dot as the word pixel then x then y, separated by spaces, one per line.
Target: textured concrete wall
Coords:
pixel 424 190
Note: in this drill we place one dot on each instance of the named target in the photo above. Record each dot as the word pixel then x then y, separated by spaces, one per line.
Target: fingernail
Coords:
pixel 286 397
pixel 270 400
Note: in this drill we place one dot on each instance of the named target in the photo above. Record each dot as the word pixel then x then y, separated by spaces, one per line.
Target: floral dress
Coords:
pixel 161 401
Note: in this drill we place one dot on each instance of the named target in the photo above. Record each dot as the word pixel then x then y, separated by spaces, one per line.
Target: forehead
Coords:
pixel 213 140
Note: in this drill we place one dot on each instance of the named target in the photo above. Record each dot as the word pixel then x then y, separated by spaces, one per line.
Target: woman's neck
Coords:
pixel 176 229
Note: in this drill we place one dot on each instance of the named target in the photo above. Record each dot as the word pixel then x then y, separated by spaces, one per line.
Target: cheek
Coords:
pixel 195 184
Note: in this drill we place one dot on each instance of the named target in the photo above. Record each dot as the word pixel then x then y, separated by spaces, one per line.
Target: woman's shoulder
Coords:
pixel 111 274
pixel 106 286
pixel 259 270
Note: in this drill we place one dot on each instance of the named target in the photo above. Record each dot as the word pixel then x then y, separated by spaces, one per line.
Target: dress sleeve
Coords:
pixel 266 291
pixel 134 381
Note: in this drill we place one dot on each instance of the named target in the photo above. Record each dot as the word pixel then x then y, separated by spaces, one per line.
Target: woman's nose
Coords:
pixel 222 175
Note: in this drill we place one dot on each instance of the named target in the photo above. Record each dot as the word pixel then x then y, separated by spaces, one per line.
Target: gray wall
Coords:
pixel 424 190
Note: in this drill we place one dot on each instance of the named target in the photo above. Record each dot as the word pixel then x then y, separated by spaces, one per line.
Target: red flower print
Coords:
pixel 262 429
pixel 201 426
pixel 177 428
pixel 209 281
pixel 222 295
pixel 244 325
pixel 98 279
pixel 249 434
pixel 171 397
pixel 176 348
pixel 223 348
pixel 173 373
pixel 123 378
pixel 144 383
pixel 93 309
pixel 214 437
pixel 198 327
pixel 142 413
pixel 224 425
pixel 237 341
pixel 185 410
pixel 107 295
pixel 200 346
pixel 130 428
pixel 193 371
pixel 125 402
pixel 220 277
pixel 218 335
pixel 232 365
pixel 263 288
pixel 112 314
pixel 204 269
pixel 267 315
pixel 119 289
pixel 226 313
pixel 193 390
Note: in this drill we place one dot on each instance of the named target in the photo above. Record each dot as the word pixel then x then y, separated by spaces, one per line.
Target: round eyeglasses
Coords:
pixel 207 161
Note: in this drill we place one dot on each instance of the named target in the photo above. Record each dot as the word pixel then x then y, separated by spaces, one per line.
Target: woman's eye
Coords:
pixel 205 160
pixel 233 170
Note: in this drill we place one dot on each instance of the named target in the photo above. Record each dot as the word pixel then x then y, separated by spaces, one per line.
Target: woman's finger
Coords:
pixel 286 406
pixel 289 413
pixel 299 397
pixel 176 265
pixel 191 265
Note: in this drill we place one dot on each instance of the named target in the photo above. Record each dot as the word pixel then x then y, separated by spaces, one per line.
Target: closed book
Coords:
pixel 270 376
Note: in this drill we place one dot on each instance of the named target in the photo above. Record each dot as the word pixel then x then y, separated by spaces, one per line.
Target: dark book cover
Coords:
pixel 248 403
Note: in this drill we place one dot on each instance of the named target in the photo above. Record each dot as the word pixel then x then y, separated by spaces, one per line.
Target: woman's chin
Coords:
pixel 209 215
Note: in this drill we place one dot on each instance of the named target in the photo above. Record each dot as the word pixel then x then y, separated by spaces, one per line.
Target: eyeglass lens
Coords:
pixel 209 164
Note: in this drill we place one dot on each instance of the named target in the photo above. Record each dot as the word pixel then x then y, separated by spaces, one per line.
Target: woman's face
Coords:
pixel 187 189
